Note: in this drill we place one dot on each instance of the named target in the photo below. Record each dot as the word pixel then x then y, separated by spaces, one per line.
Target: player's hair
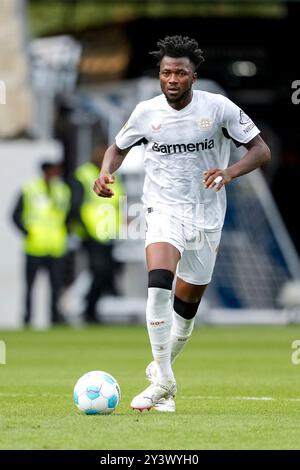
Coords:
pixel 179 46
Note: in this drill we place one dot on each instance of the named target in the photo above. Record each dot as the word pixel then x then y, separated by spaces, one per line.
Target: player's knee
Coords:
pixel 186 310
pixel 162 278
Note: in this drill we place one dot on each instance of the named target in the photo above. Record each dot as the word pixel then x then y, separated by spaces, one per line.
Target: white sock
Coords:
pixel 159 322
pixel 180 333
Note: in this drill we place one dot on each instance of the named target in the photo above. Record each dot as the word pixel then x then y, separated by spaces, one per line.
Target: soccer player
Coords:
pixel 187 145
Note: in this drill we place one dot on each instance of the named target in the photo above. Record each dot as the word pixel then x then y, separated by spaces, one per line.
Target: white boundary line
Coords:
pixel 195 397
pixel 200 397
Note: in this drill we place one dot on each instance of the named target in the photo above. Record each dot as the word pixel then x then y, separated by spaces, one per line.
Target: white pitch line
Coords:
pixel 200 397
pixel 195 397
pixel 33 395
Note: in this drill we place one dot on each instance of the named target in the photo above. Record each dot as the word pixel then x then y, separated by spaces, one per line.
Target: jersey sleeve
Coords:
pixel 131 133
pixel 238 125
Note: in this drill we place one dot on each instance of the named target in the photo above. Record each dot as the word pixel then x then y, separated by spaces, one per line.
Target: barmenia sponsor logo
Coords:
pixel 183 148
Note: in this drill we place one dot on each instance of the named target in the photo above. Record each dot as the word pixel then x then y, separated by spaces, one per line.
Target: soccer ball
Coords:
pixel 97 393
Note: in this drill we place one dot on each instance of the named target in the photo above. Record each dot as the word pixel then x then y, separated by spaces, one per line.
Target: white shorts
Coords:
pixel 198 248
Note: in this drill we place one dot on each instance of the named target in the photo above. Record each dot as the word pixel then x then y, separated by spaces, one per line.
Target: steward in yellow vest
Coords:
pixel 96 222
pixel 41 213
pixel 98 218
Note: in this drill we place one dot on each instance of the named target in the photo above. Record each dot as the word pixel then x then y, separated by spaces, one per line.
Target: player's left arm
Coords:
pixel 258 154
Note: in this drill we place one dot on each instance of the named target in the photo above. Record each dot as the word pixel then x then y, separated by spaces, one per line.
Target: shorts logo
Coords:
pixel 204 123
pixel 156 126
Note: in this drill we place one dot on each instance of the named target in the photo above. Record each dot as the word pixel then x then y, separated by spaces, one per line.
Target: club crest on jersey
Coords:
pixel 204 123
pixel 155 126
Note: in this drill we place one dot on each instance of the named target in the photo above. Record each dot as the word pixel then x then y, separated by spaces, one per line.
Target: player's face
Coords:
pixel 176 78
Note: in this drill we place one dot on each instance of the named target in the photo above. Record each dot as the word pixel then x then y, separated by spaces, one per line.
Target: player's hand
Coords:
pixel 100 186
pixel 216 178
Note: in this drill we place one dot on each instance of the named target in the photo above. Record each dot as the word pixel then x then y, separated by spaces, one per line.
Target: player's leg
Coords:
pixel 186 302
pixel 195 271
pixel 162 259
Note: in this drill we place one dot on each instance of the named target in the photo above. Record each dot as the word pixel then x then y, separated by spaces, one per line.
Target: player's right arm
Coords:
pixel 112 160
pixel 130 134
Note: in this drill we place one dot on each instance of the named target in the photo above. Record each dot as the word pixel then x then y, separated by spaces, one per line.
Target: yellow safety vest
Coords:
pixel 44 215
pixel 100 216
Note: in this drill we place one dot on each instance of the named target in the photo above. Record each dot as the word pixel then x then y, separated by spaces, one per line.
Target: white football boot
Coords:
pixel 153 394
pixel 166 404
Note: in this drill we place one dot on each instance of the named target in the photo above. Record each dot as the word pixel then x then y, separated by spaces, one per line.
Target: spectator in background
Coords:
pixel 40 213
pixel 95 222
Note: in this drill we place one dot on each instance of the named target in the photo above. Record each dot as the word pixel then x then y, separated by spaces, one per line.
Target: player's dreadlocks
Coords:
pixel 178 46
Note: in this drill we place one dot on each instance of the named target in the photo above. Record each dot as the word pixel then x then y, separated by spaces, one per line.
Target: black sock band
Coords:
pixel 186 310
pixel 162 278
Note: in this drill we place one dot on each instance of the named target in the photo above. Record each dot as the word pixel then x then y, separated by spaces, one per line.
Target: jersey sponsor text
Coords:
pixel 183 148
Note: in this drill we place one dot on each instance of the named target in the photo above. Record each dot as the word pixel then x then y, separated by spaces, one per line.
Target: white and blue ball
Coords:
pixel 97 393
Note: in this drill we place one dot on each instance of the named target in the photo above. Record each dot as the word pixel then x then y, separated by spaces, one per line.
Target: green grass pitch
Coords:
pixel 237 389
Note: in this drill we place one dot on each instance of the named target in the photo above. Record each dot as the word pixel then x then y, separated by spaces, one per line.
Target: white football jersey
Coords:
pixel 180 145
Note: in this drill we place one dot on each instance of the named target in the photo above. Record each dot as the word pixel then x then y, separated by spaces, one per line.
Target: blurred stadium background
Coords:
pixel 70 74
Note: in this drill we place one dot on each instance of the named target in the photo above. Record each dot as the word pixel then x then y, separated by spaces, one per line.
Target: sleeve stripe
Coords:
pixel 236 142
pixel 138 142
